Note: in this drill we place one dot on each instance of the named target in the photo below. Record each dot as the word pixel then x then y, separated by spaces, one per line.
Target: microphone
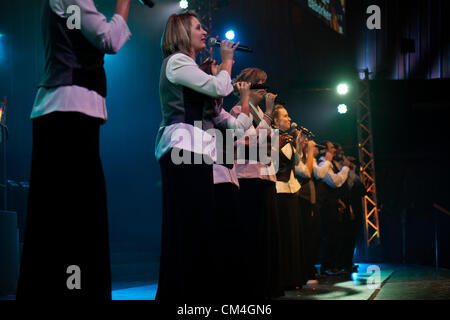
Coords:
pixel 213 42
pixel 307 132
pixel 259 86
pixel 254 86
pixel 148 3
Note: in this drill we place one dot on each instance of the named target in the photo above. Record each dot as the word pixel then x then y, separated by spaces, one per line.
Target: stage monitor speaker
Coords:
pixel 9 253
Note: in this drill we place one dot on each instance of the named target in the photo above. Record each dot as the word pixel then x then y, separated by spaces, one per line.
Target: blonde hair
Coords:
pixel 276 111
pixel 177 35
pixel 252 75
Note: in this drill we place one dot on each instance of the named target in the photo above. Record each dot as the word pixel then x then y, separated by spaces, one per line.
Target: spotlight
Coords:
pixel 342 89
pixel 342 108
pixel 184 4
pixel 229 35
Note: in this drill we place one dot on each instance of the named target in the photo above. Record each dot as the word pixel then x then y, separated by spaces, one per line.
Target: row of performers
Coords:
pixel 235 231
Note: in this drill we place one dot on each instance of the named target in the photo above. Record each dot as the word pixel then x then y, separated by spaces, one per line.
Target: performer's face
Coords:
pixel 331 148
pixel 198 36
pixel 283 121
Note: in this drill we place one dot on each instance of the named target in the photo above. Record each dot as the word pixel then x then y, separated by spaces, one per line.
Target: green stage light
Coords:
pixel 342 108
pixel 342 89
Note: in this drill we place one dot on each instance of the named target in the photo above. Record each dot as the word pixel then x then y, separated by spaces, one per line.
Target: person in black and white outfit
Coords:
pixel 67 225
pixel 293 273
pixel 257 196
pixel 226 188
pixel 187 265
pixel 309 173
pixel 329 199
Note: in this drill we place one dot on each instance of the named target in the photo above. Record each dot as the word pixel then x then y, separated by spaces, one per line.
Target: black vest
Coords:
pixel 327 194
pixel 286 165
pixel 180 104
pixel 70 58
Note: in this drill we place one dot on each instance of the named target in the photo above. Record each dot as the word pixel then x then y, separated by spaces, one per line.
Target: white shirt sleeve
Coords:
pixel 227 121
pixel 236 111
pixel 108 37
pixel 336 180
pixel 182 70
pixel 301 170
pixel 321 169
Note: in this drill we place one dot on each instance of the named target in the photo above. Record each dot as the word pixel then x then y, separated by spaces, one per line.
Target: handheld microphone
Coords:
pixel 253 87
pixel 307 132
pixel 148 3
pixel 213 42
pixel 259 86
pixel 278 100
pixel 256 86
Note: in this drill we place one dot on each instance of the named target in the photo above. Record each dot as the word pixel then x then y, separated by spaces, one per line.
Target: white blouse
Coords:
pixel 108 37
pixel 182 70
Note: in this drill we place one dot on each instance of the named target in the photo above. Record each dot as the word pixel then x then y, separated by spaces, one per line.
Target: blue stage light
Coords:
pixel 229 35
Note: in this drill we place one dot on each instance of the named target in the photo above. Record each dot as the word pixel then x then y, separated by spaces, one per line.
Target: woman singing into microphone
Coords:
pixel 186 267
pixel 226 187
pixel 257 196
pixel 292 269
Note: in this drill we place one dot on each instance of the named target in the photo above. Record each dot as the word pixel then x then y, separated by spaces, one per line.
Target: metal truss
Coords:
pixel 367 162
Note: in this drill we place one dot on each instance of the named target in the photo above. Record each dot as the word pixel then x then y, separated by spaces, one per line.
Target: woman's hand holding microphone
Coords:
pixel 227 49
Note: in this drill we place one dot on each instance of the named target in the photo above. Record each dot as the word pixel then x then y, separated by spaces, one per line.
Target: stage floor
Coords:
pixel 393 282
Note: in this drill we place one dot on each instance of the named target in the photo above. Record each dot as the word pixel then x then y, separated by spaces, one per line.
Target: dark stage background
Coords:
pixel 299 53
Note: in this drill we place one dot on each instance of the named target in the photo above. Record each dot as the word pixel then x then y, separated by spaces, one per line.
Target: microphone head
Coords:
pixel 148 3
pixel 211 42
pixel 294 125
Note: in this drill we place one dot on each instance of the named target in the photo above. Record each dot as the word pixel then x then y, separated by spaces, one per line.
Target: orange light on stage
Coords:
pixel 3 110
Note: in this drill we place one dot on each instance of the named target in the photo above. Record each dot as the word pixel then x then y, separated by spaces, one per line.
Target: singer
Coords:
pixel 291 231
pixel 226 190
pixel 67 217
pixel 257 202
pixel 187 264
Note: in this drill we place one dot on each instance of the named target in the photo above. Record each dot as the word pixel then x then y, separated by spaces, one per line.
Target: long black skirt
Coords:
pixel 260 241
pixel 291 240
pixel 67 221
pixel 312 235
pixel 188 267
pixel 229 253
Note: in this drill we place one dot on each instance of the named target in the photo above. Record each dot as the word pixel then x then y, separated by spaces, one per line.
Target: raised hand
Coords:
pixel 270 101
pixel 227 49
pixel 243 89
